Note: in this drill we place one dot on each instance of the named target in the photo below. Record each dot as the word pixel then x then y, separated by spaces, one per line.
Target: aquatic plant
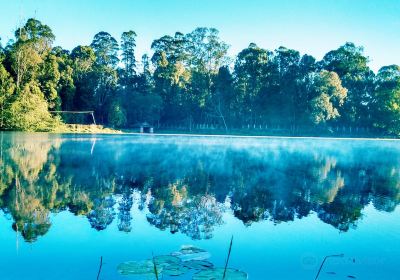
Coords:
pixel 187 259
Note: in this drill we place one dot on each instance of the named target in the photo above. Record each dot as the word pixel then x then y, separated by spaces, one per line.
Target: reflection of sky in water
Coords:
pixel 320 176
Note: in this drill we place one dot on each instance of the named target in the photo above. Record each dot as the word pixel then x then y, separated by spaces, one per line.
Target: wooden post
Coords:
pixel 94 120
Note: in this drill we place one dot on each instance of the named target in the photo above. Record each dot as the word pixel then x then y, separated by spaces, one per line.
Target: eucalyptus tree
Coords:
pixel 250 73
pixel 286 75
pixel 29 58
pixel 128 45
pixel 33 42
pixel 350 63
pixel 66 88
pixel 171 75
pixel 304 94
pixel 84 77
pixel 106 50
pixel 7 87
pixel 386 111
pixel 207 53
pixel 329 96
pixel 145 104
pixel 223 98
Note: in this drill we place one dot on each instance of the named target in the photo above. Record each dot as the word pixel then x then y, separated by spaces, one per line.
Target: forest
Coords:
pixel 190 80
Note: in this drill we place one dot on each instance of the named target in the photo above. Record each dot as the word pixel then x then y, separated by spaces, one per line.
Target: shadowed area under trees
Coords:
pixel 190 81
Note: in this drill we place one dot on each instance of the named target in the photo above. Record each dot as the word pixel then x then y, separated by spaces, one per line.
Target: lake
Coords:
pixel 67 200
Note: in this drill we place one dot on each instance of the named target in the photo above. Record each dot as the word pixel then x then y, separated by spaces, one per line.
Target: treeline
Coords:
pixel 190 79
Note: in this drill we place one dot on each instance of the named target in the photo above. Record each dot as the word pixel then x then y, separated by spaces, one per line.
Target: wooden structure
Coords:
pixel 146 128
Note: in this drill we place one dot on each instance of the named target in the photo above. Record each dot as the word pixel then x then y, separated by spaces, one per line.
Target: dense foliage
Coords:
pixel 189 80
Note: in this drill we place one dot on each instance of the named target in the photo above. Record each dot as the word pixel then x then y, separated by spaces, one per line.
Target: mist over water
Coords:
pixel 288 201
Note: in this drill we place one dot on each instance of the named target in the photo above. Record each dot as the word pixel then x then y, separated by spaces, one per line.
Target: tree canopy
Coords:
pixel 189 79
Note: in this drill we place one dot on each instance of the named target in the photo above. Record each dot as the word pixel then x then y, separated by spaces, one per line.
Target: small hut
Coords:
pixel 145 127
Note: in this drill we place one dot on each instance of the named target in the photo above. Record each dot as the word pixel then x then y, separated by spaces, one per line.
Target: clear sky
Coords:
pixel 310 26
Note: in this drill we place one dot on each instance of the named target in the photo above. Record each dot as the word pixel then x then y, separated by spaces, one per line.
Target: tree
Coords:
pixel 106 49
pixel 84 77
pixel 171 76
pixel 49 77
pixel 329 95
pixel 223 96
pixel 33 43
pixel 285 72
pixel 128 44
pixel 387 99
pixel 65 88
pixel 351 65
pixel 207 53
pixel 116 115
pixel 7 88
pixel 29 111
pixel 250 77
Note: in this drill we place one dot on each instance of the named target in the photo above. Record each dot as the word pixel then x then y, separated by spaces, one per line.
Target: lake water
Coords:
pixel 67 200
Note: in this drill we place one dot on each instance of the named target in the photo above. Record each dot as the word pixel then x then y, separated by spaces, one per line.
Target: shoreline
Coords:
pixel 110 132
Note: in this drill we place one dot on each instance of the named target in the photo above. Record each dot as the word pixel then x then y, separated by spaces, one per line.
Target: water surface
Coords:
pixel 66 200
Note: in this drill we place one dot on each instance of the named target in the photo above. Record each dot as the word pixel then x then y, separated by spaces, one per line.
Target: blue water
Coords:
pixel 287 202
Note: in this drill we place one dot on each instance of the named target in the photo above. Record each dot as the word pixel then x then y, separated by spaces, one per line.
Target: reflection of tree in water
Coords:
pixel 102 213
pixel 183 189
pixel 124 209
pixel 30 194
pixel 195 216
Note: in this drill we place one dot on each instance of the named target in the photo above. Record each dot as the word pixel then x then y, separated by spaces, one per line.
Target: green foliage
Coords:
pixel 329 96
pixel 128 44
pixel 29 111
pixel 7 88
pixel 116 115
pixel 387 97
pixel 105 48
pixel 190 80
pixel 351 65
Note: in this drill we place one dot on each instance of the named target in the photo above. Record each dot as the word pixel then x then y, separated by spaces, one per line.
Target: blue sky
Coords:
pixel 310 26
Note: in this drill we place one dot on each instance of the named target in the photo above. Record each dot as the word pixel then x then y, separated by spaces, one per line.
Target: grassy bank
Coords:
pixel 80 128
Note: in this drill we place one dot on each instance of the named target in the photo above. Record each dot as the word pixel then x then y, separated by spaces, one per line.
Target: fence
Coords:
pixel 272 129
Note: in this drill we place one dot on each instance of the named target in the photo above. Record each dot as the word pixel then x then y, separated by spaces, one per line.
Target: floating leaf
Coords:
pixel 189 252
pixel 145 267
pixel 218 273
pixel 164 260
pixel 175 270
pixel 170 265
pixel 198 264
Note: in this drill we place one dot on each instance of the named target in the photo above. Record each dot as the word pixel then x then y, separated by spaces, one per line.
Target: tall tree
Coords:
pixel 223 97
pixel 128 44
pixel 350 63
pixel 7 88
pixel 171 75
pixel 386 111
pixel 207 53
pixel 250 77
pixel 106 51
pixel 84 76
pixel 329 95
